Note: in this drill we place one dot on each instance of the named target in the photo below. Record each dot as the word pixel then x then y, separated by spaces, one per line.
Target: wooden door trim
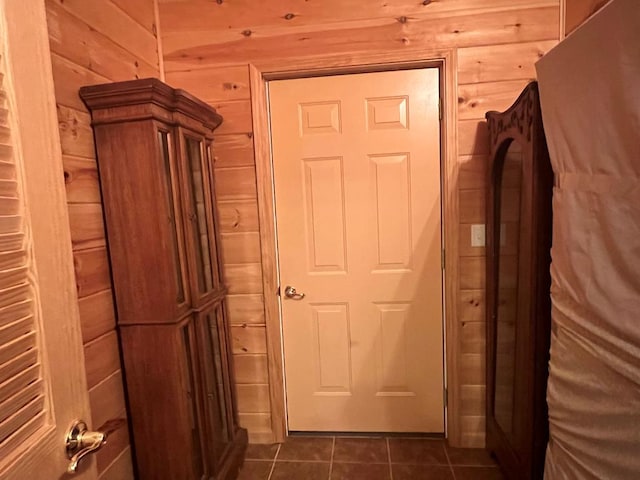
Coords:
pixel 262 72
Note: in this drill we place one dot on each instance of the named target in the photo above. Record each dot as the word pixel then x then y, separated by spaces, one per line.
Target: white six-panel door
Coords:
pixel 357 186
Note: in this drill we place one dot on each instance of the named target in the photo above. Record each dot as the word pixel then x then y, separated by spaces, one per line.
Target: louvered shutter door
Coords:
pixel 22 391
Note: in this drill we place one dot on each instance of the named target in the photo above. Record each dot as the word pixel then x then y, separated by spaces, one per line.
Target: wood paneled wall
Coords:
pixel 97 42
pixel 579 11
pixel 207 48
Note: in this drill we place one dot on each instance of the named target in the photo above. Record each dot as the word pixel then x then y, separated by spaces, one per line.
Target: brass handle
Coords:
pixel 290 292
pixel 81 442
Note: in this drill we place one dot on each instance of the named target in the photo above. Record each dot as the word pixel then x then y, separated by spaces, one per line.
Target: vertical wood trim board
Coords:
pixel 264 175
pixel 158 34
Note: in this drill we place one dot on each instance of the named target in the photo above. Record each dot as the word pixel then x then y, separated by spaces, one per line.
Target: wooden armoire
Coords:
pixel 519 219
pixel 153 146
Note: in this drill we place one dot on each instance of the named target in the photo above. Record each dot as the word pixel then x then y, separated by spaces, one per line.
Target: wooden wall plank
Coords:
pixel 472 273
pixel 238 216
pixel 473 427
pixel 107 399
pixel 472 306
pixel 112 22
pixel 249 339
pixel 473 137
pixel 233 150
pixel 99 53
pixel 472 400
pixel 121 468
pixel 494 63
pixel 183 52
pixel 97 315
pixel 473 171
pixel 253 398
pixel 76 135
pixel 243 247
pixel 204 15
pixel 245 309
pixel 250 369
pixel 472 206
pixel 81 180
pixel 68 78
pixel 236 116
pixel 87 225
pixel 118 442
pixel 92 271
pixel 477 99
pixel 472 369
pixel 214 84
pixel 102 358
pixel 142 12
pixel 473 338
pixel 255 422
pixel 235 183
pixel 578 11
pixel 243 278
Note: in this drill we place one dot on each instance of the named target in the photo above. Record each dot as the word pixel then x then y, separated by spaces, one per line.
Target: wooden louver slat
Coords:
pixel 12 259
pixel 8 188
pixel 11 241
pixel 17 365
pixel 7 170
pixel 20 381
pixel 22 389
pixel 16 329
pixel 22 416
pixel 16 347
pixel 6 151
pixel 11 223
pixel 20 400
pixel 12 277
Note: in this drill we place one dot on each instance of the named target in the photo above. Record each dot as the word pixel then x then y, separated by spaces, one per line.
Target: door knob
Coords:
pixel 290 292
pixel 81 442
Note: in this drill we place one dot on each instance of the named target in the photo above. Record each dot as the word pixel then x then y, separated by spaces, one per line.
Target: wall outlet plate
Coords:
pixel 478 238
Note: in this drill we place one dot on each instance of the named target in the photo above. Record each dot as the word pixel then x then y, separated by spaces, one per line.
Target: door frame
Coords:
pixel 324 65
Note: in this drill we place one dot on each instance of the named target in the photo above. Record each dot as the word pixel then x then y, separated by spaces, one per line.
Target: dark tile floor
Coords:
pixel 367 458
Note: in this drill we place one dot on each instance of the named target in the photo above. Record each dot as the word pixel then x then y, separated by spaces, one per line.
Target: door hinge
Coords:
pixel 440 108
pixel 442 258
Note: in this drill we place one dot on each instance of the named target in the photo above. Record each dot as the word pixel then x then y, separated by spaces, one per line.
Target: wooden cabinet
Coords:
pixel 154 157
pixel 518 283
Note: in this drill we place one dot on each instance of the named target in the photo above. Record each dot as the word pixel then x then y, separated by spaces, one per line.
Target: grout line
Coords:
pixel 333 450
pixel 453 474
pixel 389 458
pixel 273 465
pixel 307 461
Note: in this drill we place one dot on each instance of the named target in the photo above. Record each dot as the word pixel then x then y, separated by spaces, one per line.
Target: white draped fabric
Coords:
pixel 590 96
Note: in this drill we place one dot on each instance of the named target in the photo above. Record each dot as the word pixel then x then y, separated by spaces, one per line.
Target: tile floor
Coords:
pixel 372 458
